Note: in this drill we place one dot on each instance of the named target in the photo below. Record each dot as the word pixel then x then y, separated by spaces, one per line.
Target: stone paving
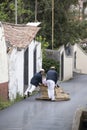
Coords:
pixel 32 114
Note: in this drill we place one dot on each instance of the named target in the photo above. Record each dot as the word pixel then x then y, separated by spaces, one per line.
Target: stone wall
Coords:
pixel 53 54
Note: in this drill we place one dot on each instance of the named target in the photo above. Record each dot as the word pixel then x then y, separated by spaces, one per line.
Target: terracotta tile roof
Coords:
pixel 19 35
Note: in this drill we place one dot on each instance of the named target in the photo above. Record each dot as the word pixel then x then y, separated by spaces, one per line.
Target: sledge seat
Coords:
pixel 60 95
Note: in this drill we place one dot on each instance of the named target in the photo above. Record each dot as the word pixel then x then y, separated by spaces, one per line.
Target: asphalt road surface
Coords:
pixel 31 114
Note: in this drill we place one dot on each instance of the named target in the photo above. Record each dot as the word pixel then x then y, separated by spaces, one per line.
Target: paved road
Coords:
pixel 31 114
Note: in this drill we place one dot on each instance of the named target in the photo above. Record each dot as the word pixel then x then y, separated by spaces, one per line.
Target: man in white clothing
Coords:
pixel 36 80
pixel 51 78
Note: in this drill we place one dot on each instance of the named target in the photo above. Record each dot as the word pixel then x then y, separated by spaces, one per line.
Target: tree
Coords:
pixel 62 26
pixel 7 12
pixel 65 30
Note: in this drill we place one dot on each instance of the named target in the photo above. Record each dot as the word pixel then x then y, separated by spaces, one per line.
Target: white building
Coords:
pixel 24 56
pixel 3 66
pixel 74 61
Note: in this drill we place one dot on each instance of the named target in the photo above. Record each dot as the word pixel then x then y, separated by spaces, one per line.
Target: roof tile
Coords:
pixel 19 35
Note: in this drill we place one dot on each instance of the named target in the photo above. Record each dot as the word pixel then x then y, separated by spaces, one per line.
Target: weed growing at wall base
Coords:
pixel 5 104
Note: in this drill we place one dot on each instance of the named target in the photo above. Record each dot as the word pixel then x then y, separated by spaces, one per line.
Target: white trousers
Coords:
pixel 30 89
pixel 51 86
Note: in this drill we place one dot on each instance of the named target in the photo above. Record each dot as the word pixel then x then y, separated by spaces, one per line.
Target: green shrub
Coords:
pixel 47 63
pixel 18 98
pixel 4 104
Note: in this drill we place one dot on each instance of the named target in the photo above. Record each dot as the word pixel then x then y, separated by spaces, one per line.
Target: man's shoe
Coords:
pixel 53 100
pixel 49 99
pixel 24 96
pixel 28 94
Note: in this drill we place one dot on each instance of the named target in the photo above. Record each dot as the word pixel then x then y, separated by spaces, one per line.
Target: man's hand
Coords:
pixel 40 84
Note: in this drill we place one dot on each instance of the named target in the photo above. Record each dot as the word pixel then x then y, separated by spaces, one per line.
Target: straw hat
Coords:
pixel 42 70
pixel 52 67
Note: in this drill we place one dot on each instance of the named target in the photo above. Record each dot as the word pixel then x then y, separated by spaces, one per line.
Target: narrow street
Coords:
pixel 32 114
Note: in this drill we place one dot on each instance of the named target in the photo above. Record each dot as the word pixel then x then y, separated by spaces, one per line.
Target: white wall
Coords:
pixel 39 56
pixel 16 67
pixel 31 58
pixel 81 59
pixel 20 71
pixel 3 58
pixel 68 67
pixel 12 57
